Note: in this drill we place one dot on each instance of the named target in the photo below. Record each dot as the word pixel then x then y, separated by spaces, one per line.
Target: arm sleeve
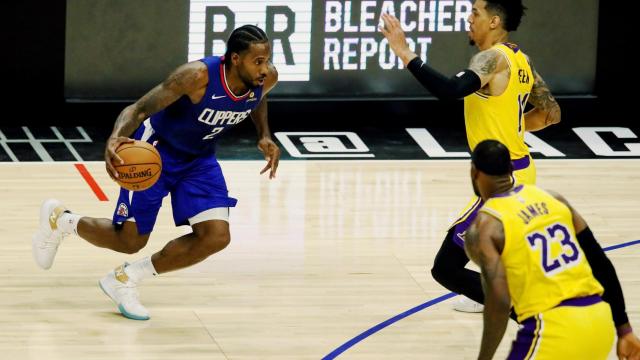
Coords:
pixel 605 273
pixel 464 83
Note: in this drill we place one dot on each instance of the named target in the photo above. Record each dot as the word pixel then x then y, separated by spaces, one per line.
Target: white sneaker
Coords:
pixel 45 242
pixel 464 304
pixel 124 293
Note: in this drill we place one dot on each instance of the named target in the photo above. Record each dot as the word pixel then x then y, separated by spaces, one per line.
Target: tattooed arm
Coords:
pixel 483 244
pixel 547 111
pixel 187 79
pixel 486 64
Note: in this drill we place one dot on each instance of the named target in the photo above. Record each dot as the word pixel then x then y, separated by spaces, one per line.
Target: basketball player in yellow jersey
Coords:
pixel 528 244
pixel 496 87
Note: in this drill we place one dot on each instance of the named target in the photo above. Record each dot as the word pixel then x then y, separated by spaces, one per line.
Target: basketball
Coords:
pixel 141 168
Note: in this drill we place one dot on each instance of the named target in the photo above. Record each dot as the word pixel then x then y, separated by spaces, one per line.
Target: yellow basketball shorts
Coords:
pixel 576 329
pixel 524 173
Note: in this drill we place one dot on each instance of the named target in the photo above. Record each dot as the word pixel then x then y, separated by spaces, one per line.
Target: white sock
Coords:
pixel 140 269
pixel 68 223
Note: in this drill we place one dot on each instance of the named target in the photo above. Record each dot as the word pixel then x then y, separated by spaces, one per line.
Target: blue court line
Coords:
pixel 613 247
pixel 349 344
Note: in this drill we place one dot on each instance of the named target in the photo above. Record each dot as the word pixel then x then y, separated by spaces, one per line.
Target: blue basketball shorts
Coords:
pixel 196 184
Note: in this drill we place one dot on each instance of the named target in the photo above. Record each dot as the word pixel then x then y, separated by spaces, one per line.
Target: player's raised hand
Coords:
pixel 628 347
pixel 110 156
pixel 394 34
pixel 271 153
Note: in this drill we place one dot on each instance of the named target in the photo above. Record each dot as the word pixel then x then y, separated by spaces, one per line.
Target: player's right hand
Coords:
pixel 628 347
pixel 392 30
pixel 271 153
pixel 111 159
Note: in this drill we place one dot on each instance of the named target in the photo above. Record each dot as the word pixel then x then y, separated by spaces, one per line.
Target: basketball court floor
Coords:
pixel 329 260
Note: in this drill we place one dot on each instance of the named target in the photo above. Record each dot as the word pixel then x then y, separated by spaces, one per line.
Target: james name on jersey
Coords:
pixel 530 211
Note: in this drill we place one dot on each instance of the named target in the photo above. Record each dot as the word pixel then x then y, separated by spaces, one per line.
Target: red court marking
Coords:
pixel 92 183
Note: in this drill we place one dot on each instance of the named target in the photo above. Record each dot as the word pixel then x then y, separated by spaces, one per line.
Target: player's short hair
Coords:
pixel 492 158
pixel 242 37
pixel 510 12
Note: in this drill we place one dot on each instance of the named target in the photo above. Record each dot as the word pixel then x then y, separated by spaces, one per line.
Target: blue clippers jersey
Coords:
pixel 194 128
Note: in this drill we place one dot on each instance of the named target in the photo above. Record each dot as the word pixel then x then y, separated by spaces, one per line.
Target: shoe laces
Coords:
pixel 128 292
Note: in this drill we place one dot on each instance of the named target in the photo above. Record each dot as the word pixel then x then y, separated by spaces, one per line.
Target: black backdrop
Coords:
pixel 108 42
pixel 35 84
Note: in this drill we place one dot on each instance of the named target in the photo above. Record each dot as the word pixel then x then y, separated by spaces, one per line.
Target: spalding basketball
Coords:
pixel 141 168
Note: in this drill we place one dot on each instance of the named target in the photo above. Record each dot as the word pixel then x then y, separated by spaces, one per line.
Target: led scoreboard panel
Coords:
pixel 322 49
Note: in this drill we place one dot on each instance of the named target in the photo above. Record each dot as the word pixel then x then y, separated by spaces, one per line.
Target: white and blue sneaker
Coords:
pixel 124 293
pixel 45 242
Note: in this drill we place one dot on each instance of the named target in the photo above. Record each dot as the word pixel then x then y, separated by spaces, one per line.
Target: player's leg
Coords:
pixel 199 199
pixel 449 270
pixel 102 233
pixel 120 234
pixel 449 265
pixel 133 221
pixel 56 223
pixel 208 237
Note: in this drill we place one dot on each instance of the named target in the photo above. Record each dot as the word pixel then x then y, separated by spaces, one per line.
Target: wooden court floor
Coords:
pixel 321 254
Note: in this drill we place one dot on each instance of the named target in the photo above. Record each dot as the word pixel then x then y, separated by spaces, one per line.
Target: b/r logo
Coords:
pixel 324 145
pixel 287 24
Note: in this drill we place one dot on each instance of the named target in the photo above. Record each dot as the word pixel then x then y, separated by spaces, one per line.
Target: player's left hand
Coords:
pixel 392 30
pixel 628 347
pixel 271 153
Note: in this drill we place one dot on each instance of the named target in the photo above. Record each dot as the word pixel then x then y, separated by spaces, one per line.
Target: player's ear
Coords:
pixel 495 22
pixel 235 58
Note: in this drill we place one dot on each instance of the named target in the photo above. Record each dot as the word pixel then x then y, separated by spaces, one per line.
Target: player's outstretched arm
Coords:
pixel 463 84
pixel 546 110
pixel 266 145
pixel 186 79
pixel 628 343
pixel 483 243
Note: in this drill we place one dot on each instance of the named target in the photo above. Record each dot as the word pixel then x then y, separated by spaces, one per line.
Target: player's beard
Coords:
pixel 472 42
pixel 247 80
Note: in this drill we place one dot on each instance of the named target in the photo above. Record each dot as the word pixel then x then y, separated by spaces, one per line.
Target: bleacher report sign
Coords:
pixel 336 45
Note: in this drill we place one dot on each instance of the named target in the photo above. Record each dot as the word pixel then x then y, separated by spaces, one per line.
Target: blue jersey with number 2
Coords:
pixel 194 128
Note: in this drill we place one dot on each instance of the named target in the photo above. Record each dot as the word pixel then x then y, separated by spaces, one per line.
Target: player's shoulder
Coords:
pixel 192 68
pixel 528 58
pixel 489 60
pixel 556 195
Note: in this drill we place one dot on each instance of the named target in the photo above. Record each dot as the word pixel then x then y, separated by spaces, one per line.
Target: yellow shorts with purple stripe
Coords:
pixel 524 173
pixel 576 329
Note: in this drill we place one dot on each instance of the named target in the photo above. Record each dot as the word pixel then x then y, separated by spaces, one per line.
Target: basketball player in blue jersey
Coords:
pixel 496 88
pixel 183 118
pixel 530 245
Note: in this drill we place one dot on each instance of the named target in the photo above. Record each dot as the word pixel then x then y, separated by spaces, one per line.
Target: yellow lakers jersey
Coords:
pixel 502 117
pixel 543 261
